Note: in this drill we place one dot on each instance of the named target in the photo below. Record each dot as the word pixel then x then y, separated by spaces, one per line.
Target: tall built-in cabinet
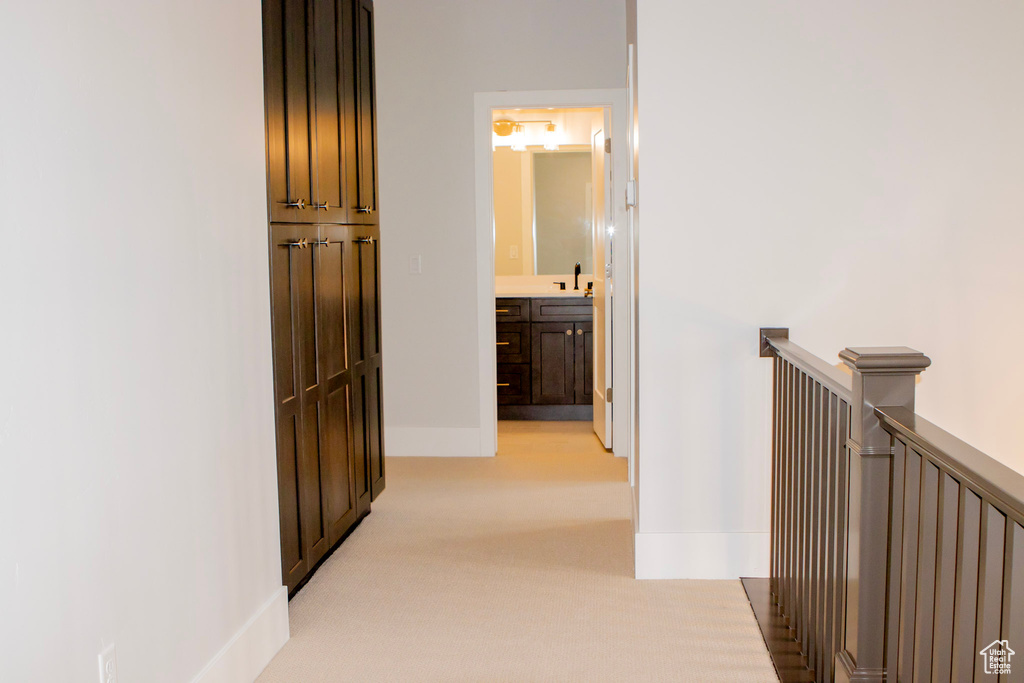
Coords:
pixel 325 271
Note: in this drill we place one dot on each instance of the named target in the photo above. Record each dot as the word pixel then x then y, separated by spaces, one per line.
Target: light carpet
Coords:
pixel 516 568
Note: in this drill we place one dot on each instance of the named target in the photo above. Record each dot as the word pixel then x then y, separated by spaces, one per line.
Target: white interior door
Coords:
pixel 602 283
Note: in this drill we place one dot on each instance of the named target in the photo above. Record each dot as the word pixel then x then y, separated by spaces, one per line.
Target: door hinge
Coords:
pixel 631 193
pixel 607 145
pixel 608 395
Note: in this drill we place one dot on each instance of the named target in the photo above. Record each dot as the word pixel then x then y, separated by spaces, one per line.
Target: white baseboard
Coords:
pixel 251 649
pixel 435 442
pixel 701 555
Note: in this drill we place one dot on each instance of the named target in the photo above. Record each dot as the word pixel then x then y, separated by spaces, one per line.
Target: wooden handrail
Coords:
pixel 980 472
pixel 830 376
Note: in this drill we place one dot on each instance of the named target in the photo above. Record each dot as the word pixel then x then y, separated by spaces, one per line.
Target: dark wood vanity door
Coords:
pixel 304 538
pixel 584 362
pixel 513 384
pixel 290 110
pixel 513 342
pixel 365 116
pixel 553 369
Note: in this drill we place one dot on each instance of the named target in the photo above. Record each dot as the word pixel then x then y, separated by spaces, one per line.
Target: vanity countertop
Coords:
pixel 569 293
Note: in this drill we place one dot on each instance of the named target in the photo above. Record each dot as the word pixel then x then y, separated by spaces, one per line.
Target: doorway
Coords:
pixel 524 248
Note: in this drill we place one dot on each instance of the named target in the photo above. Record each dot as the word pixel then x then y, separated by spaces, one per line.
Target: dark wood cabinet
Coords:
pixel 325 277
pixel 545 358
pixel 290 110
pixel 365 199
pixel 321 127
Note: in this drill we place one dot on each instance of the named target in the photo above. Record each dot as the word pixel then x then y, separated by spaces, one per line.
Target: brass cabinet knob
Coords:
pixel 579 331
pixel 297 204
pixel 364 209
pixel 325 206
pixel 363 240
pixel 569 332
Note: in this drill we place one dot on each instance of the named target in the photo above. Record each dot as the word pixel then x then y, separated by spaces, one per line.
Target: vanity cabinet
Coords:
pixel 324 272
pixel 545 358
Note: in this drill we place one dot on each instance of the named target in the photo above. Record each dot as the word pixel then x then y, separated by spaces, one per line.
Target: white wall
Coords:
pixel 431 58
pixel 137 478
pixel 850 170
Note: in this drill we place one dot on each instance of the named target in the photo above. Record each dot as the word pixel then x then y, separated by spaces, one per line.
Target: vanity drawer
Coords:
pixel 513 342
pixel 512 310
pixel 513 384
pixel 562 309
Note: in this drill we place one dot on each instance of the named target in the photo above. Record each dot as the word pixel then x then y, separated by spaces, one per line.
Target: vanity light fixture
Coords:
pixel 515 131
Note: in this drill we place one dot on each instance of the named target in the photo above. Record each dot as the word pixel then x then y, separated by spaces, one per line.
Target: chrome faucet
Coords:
pixel 577 272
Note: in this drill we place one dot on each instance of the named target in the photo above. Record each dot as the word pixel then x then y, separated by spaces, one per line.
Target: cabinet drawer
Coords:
pixel 513 384
pixel 512 310
pixel 562 309
pixel 513 342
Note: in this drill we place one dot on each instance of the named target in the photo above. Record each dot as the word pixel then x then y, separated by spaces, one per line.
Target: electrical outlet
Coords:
pixel 513 251
pixel 108 665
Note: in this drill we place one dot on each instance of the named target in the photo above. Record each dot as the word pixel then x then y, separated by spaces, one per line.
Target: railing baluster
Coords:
pixel 990 582
pixel 924 613
pixel 945 570
pixel 965 591
pixel 896 523
pixel 1013 590
pixel 908 584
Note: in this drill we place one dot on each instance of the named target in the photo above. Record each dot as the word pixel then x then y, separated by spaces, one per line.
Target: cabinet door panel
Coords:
pixel 553 371
pixel 376 423
pixel 291 129
pixel 366 340
pixel 294 563
pixel 513 384
pixel 584 362
pixel 366 119
pixel 361 440
pixel 293 318
pixel 336 379
pixel 513 342
pixel 334 57
pixel 311 491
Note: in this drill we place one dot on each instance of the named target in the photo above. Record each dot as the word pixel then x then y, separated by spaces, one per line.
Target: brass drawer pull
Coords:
pixel 325 206
pixel 502 343
pixel 502 310
pixel 502 385
pixel 363 240
pixel 364 209
pixel 301 244
pixel 297 204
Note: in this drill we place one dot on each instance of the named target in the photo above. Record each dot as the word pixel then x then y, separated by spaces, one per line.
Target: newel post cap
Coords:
pixel 885 360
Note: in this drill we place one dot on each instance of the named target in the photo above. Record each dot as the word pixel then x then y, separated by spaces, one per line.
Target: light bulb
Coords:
pixel 518 138
pixel 551 138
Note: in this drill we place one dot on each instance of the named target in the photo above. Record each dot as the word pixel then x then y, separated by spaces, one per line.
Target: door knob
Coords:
pixel 297 204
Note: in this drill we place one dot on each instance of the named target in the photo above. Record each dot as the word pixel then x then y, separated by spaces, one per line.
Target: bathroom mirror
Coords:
pixel 543 210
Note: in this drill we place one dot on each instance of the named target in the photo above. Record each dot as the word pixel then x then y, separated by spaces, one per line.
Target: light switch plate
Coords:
pixel 416 264
pixel 513 251
pixel 108 665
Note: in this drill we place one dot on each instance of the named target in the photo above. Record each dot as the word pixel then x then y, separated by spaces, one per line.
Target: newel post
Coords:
pixel 882 376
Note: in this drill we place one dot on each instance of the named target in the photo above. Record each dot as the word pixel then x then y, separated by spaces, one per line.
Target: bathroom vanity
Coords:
pixel 545 350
